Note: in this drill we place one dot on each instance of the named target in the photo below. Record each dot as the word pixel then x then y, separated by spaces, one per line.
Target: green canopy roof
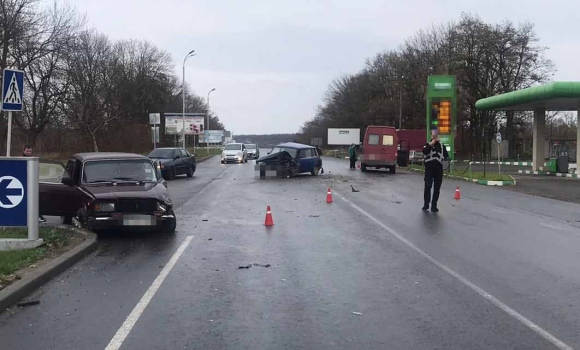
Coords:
pixel 556 96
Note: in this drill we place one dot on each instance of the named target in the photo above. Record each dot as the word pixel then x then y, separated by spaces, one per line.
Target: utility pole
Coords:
pixel 190 54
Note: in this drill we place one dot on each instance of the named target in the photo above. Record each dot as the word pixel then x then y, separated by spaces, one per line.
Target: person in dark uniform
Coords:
pixel 352 156
pixel 435 152
pixel 27 152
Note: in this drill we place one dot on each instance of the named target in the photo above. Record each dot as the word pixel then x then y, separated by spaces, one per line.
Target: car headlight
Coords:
pixel 240 154
pixel 161 207
pixel 105 207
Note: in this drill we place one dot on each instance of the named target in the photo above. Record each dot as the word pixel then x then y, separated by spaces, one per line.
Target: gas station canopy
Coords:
pixel 556 96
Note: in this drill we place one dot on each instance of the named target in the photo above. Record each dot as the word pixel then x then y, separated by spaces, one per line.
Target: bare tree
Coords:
pixel 42 56
pixel 87 103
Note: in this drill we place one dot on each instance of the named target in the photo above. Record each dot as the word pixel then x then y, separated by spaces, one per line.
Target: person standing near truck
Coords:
pixel 435 153
pixel 352 156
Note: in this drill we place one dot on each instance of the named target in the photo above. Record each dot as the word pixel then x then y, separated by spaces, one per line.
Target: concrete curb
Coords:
pixel 18 290
pixel 511 182
pixel 548 173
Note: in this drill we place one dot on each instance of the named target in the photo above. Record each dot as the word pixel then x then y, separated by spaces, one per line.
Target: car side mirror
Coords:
pixel 67 179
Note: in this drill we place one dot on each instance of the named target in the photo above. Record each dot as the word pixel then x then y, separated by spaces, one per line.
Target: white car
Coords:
pixel 235 152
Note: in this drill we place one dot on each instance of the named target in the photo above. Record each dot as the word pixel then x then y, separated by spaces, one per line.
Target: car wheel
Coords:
pixel 170 226
pixel 190 171
pixel 393 169
pixel 67 220
pixel 363 167
pixel 316 171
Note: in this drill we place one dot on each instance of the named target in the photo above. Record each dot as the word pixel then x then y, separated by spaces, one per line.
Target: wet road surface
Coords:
pixel 495 270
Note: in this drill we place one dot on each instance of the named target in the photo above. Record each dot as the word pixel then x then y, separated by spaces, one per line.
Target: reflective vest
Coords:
pixel 433 153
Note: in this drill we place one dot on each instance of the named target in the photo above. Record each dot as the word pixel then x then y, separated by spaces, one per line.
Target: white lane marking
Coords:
pixel 513 313
pixel 501 211
pixel 133 317
pixel 554 227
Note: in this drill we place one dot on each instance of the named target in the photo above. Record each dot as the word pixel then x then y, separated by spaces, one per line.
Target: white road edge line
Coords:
pixel 133 317
pixel 513 313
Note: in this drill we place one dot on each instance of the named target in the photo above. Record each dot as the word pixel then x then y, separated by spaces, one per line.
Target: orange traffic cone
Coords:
pixel 329 196
pixel 269 221
pixel 457 193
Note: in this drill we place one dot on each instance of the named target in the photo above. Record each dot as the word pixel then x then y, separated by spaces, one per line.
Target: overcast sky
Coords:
pixel 271 61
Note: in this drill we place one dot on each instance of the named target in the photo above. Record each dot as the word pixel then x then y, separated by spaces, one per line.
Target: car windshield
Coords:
pixel 292 151
pixel 250 146
pixel 233 147
pixel 118 170
pixel 162 153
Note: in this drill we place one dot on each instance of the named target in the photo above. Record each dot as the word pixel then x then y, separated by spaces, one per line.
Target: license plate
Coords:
pixel 138 220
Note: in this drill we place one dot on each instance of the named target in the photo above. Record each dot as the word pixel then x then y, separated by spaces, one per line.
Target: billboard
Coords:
pixel 343 136
pixel 213 136
pixel 194 123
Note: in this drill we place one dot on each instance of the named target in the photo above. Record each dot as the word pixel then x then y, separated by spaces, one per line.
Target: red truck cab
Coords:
pixel 379 148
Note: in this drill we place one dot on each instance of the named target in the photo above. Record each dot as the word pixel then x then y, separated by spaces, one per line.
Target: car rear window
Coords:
pixel 388 140
pixel 162 153
pixel 233 147
pixel 373 139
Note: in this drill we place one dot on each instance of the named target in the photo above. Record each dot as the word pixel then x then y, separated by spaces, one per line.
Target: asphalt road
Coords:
pixel 495 270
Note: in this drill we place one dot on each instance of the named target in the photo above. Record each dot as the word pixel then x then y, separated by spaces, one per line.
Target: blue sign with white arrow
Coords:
pixel 13 193
pixel 12 90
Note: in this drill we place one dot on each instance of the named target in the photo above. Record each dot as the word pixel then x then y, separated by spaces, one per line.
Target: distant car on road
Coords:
pixel 291 159
pixel 253 151
pixel 103 191
pixel 235 152
pixel 174 161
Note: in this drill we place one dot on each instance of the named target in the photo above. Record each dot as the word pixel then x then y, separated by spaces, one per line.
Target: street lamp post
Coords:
pixel 207 126
pixel 190 54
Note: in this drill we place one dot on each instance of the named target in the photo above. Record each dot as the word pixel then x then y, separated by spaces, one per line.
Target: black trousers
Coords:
pixel 353 162
pixel 433 176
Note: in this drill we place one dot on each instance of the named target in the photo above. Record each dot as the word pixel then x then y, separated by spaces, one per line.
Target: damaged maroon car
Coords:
pixel 106 191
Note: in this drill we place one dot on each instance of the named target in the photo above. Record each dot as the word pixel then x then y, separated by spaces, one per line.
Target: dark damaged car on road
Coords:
pixel 174 161
pixel 289 160
pixel 106 191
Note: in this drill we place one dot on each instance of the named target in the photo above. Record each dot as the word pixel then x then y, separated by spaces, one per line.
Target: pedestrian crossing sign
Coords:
pixel 12 90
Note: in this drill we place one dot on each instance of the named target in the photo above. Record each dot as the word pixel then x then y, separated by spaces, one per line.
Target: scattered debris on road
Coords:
pixel 28 303
pixel 209 239
pixel 205 220
pixel 313 216
pixel 266 266
pixel 353 189
pixel 357 313
pixel 249 266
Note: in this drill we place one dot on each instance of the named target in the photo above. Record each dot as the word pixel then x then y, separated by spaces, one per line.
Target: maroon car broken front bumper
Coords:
pixel 130 221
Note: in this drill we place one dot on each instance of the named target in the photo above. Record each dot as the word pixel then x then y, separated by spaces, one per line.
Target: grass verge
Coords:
pixel 490 176
pixel 56 242
pixel 202 152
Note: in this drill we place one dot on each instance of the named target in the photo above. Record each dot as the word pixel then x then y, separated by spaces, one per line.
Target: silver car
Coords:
pixel 235 152
pixel 253 151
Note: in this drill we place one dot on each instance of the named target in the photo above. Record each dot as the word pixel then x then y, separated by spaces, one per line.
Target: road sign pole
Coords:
pixel 32 197
pixel 9 138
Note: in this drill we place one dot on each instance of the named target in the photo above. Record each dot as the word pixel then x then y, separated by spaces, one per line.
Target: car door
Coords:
pixel 190 158
pixel 56 198
pixel 177 162
pixel 186 161
pixel 305 160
